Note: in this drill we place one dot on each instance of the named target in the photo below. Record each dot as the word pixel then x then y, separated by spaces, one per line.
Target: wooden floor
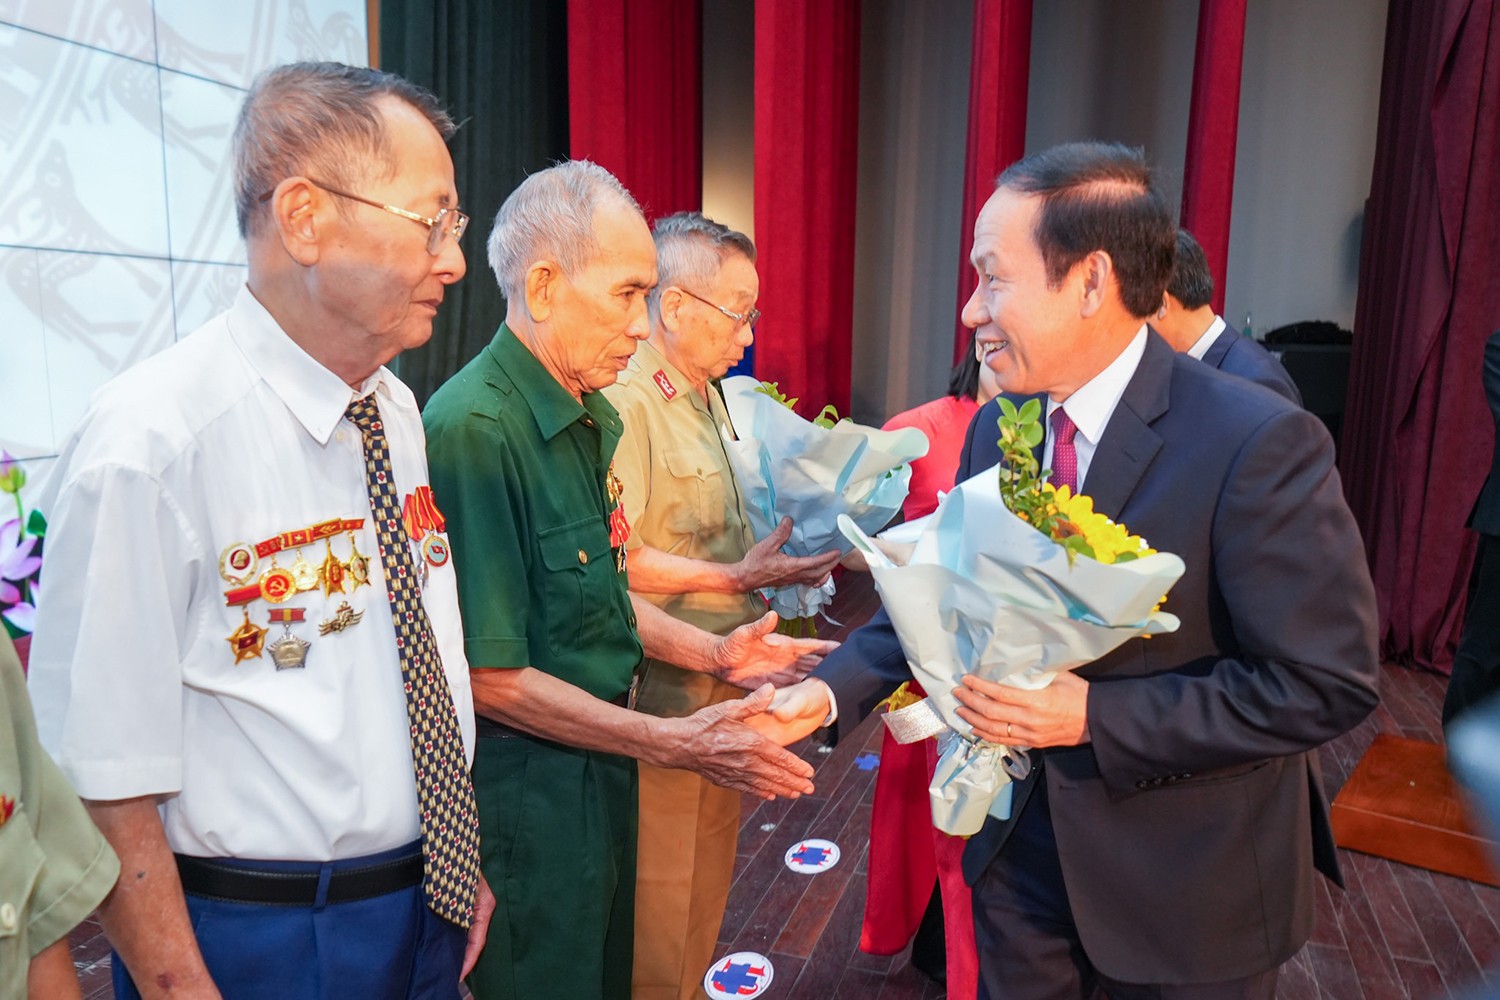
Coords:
pixel 1397 932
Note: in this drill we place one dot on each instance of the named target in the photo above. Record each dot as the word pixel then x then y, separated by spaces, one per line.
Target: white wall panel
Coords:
pixel 231 42
pixel 25 412
pixel 123 26
pixel 202 291
pixel 198 119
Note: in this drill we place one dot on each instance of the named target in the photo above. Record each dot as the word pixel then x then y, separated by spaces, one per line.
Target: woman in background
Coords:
pixel 908 856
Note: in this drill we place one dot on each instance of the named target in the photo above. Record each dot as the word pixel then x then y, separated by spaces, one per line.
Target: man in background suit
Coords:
pixel 1164 844
pixel 1187 321
pixel 1476 667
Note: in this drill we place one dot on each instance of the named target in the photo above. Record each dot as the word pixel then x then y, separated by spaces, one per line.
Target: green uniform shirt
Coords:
pixel 55 865
pixel 518 468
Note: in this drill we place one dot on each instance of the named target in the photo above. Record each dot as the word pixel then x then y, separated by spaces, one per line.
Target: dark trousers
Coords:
pixel 1029 947
pixel 558 846
pixel 389 947
pixel 1476 665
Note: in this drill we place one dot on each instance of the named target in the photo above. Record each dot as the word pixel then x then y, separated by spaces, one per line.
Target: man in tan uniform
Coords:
pixel 691 553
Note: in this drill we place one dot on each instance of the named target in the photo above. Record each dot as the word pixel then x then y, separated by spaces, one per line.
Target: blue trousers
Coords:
pixel 390 947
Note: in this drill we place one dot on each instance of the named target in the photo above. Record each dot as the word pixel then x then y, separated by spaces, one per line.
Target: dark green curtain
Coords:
pixel 501 69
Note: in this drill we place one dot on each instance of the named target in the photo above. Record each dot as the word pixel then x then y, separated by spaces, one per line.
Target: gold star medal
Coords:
pixel 305 573
pixel 247 640
pixel 289 652
pixel 331 573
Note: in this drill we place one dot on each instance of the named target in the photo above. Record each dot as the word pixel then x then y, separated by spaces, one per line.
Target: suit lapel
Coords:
pixel 1219 349
pixel 1129 444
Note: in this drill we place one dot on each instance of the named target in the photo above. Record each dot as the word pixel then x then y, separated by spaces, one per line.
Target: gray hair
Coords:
pixel 319 120
pixel 690 249
pixel 550 216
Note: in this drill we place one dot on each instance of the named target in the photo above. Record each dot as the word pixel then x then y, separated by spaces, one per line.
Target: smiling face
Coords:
pixel 598 315
pixel 699 340
pixel 1033 337
pixel 375 273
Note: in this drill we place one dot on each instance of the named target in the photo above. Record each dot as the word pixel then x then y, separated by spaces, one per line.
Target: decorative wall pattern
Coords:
pixel 117 230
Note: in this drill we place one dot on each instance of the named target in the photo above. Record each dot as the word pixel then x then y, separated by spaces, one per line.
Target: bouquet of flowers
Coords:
pixel 813 472
pixel 20 554
pixel 1012 580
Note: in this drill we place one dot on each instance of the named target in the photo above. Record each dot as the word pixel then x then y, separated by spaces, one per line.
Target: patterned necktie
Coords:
pixel 445 793
pixel 1064 455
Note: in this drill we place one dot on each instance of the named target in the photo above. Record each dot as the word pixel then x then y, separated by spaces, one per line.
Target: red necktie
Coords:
pixel 1064 455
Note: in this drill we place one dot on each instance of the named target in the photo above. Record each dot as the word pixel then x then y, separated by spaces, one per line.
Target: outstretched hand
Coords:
pixel 765 565
pixel 756 654
pixel 795 712
pixel 717 743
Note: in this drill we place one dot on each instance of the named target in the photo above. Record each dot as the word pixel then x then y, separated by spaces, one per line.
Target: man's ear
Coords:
pixel 670 307
pixel 1097 274
pixel 299 215
pixel 542 280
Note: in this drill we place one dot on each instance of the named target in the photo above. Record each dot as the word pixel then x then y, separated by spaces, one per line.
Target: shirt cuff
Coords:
pixel 833 704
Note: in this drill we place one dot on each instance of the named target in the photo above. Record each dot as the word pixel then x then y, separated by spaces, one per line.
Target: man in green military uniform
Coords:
pixel 520 447
pixel 55 866
pixel 692 554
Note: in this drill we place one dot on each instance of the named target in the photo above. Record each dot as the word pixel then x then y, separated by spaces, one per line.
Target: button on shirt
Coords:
pixel 232 435
pixel 519 466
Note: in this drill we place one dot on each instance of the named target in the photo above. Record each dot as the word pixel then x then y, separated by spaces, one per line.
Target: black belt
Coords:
pixel 490 729
pixel 224 880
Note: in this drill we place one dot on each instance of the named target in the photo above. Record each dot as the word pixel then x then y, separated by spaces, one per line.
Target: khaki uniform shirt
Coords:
pixel 55 866
pixel 680 497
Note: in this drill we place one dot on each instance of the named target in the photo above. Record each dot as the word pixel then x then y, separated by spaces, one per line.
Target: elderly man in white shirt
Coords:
pixel 249 660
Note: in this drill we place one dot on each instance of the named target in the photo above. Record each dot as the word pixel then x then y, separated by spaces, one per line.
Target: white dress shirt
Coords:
pixel 1202 344
pixel 235 434
pixel 1093 403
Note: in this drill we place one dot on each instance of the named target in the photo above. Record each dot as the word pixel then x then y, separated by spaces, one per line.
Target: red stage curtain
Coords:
pixel 999 73
pixel 635 97
pixel 1213 126
pixel 806 157
pixel 1416 439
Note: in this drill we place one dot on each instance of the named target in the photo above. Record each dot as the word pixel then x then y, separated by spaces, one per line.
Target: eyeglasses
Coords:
pixel 447 222
pixel 752 317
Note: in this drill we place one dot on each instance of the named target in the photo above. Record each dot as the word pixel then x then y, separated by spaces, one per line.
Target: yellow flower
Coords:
pixel 1110 542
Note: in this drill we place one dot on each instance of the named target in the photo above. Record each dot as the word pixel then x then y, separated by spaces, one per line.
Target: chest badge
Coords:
pixel 289 652
pixel 248 640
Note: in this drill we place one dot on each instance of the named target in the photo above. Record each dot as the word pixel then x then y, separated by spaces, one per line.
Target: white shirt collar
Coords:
pixel 315 396
pixel 1094 402
pixel 1201 346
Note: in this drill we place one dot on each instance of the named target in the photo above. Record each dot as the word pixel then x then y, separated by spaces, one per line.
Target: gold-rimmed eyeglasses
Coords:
pixel 447 222
pixel 752 317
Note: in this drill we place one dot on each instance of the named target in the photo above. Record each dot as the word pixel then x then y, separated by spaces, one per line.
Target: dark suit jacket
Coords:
pixel 1486 516
pixel 1189 829
pixel 1239 355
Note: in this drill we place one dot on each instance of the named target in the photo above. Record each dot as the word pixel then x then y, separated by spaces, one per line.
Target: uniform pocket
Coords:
pixel 698 488
pixel 580 576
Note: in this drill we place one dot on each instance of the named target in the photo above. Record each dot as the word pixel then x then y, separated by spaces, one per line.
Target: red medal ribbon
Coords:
pixel 299 537
pixel 242 595
pixel 619 527
pixel 288 615
pixel 421 514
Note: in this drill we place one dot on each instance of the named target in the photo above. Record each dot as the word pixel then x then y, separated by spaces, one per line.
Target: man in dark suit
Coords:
pixel 1165 843
pixel 1476 667
pixel 1186 320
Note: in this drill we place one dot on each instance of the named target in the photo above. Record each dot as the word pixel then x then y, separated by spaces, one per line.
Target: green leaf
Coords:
pixel 36 524
pixel 1007 408
pixel 1033 436
pixel 1031 409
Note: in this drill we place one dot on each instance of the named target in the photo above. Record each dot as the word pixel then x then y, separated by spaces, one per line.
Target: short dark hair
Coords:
pixel 963 381
pixel 690 249
pixel 1099 196
pixel 317 118
pixel 1190 283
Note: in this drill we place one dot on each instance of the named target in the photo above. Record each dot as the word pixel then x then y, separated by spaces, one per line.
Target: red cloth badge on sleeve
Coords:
pixel 663 383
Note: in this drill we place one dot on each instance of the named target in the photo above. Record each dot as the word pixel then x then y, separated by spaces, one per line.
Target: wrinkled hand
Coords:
pixel 1055 716
pixel 765 565
pixel 756 654
pixel 716 743
pixel 795 712
pixel 479 927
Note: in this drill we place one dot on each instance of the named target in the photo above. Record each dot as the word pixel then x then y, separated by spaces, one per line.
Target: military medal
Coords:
pixel 305 573
pixel 289 652
pixel 359 565
pixel 277 584
pixel 435 550
pixel 332 572
pixel 619 526
pixel 343 618
pixel 237 563
pixel 247 640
